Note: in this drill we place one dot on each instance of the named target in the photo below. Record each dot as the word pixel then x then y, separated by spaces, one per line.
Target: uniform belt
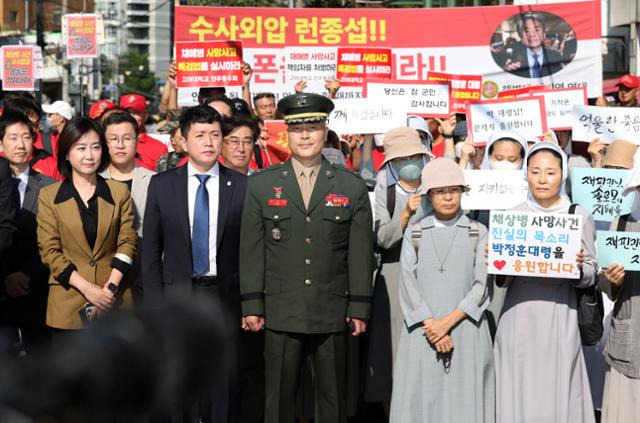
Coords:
pixel 205 280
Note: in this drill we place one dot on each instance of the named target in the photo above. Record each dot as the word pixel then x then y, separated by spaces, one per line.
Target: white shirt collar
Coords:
pixel 532 59
pixel 214 171
pixel 24 176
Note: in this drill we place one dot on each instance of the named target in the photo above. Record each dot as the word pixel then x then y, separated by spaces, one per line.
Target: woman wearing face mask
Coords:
pixel 397 198
pixel 540 370
pixel 444 370
pixel 621 401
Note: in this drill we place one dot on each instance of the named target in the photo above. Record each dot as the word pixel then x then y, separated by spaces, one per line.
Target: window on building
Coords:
pixel 13 16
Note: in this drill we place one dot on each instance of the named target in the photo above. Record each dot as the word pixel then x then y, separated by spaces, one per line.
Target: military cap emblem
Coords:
pixel 302 100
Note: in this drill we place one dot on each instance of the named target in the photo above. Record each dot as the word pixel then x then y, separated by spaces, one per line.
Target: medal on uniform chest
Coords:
pixel 277 192
pixel 276 234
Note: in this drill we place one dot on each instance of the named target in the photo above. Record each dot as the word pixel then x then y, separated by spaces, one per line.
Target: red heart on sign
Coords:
pixel 499 264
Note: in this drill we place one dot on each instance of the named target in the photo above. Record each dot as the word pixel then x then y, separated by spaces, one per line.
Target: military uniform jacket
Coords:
pixel 306 270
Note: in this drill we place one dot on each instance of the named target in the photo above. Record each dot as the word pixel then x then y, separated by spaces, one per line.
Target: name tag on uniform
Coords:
pixel 277 202
pixel 336 200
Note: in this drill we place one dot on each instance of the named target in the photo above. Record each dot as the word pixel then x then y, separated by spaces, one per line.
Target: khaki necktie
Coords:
pixel 306 186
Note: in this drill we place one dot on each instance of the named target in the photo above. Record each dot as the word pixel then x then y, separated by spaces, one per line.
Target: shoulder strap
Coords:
pixel 572 208
pixel 416 236
pixel 46 141
pixel 257 155
pixel 474 235
pixel 622 222
pixel 38 155
pixel 391 199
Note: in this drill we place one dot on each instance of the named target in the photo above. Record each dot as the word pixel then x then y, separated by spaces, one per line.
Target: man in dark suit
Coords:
pixel 192 235
pixel 25 278
pixel 529 58
pixel 307 264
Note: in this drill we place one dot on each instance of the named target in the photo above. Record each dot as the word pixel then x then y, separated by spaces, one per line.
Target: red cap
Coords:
pixel 133 101
pixel 629 81
pixel 99 107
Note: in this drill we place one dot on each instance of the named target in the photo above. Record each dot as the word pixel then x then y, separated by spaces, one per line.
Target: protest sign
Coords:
pixel 278 142
pixel 361 116
pixel 525 116
pixel 315 66
pixel 606 123
pixel 599 191
pixel 208 64
pixel 559 105
pixel 357 64
pixel 619 247
pixel 494 189
pixel 463 88
pixel 519 92
pixel 483 37
pixel 18 70
pixel 422 98
pixel 80 35
pixel 38 63
pixel 534 244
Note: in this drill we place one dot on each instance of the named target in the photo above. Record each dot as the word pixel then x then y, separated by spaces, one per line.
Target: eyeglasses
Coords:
pixel 127 141
pixel 236 142
pixel 441 192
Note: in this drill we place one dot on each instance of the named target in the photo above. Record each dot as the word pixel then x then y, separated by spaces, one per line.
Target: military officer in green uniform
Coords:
pixel 306 264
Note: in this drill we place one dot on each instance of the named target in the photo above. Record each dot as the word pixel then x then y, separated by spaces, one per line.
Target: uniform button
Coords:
pixel 307 219
pixel 92 263
pixel 307 261
pixel 307 282
pixel 337 217
pixel 307 240
pixel 276 216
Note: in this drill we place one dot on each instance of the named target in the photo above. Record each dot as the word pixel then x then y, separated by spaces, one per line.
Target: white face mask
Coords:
pixel 503 165
pixel 379 140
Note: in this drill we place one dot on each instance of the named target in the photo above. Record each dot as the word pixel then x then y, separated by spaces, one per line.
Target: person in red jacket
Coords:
pixel 149 148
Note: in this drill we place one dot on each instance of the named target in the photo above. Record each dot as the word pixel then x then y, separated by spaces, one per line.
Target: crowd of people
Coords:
pixel 333 299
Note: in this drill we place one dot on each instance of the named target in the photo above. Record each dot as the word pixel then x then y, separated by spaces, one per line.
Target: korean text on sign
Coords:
pixel 599 191
pixel 534 244
pixel 423 98
pixel 559 105
pixel 619 247
pixel 525 116
pixel 357 64
pixel 208 64
pixel 18 69
pixel 606 123
pixel 464 88
pixel 81 35
pixel 361 116
pixel 494 190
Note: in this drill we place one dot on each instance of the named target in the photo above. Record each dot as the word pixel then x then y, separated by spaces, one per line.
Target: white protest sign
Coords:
pixel 423 98
pixel 187 97
pixel 559 105
pixel 494 189
pixel 525 116
pixel 362 116
pixel 534 244
pixel 607 123
pixel 314 65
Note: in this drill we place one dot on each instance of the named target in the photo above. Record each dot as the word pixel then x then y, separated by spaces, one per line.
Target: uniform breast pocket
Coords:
pixel 337 221
pixel 277 223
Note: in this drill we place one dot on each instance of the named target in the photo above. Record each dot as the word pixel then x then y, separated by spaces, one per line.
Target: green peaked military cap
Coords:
pixel 305 107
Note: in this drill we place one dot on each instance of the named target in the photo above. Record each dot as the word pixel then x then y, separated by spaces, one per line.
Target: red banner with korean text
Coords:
pixel 462 88
pixel 81 35
pixel 18 70
pixel 357 64
pixel 486 41
pixel 278 143
pixel 208 64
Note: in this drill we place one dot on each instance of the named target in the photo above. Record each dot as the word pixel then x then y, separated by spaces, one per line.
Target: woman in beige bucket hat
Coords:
pixel 444 367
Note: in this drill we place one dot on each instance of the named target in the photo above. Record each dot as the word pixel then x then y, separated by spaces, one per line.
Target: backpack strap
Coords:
pixel 572 208
pixel 391 199
pixel 622 222
pixel 474 235
pixel 46 141
pixel 38 155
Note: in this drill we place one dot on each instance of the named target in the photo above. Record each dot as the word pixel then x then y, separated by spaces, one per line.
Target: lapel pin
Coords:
pixel 228 183
pixel 285 173
pixel 328 173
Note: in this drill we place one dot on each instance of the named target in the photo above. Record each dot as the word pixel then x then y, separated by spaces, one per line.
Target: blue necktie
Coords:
pixel 200 235
pixel 536 71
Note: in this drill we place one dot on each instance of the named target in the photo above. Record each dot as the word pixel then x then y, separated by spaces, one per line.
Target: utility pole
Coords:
pixel 65 65
pixel 40 41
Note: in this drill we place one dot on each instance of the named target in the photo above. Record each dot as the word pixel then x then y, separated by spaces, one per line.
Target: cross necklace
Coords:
pixel 441 269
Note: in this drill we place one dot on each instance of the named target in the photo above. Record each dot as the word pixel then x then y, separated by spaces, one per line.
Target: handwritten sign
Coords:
pixel 607 123
pixel 520 92
pixel 423 98
pixel 463 88
pixel 599 191
pixel 619 247
pixel 494 189
pixel 80 35
pixel 315 66
pixel 559 105
pixel 208 64
pixel 526 116
pixel 357 64
pixel 534 244
pixel 18 69
pixel 362 116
